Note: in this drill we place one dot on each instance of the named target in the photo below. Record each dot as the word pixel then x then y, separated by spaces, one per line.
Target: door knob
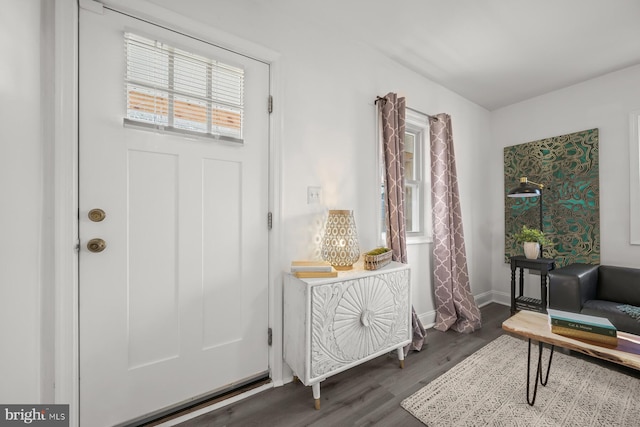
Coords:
pixel 97 215
pixel 96 245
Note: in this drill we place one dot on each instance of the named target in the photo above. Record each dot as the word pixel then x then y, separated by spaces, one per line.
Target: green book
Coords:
pixel 582 322
pixel 583 327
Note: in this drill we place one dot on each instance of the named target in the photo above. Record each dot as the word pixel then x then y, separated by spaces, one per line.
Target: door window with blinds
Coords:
pixel 173 90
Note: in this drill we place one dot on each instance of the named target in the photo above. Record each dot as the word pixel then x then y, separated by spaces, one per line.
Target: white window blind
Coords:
pixel 170 89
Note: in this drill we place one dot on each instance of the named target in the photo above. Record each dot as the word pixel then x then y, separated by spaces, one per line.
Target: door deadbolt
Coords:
pixel 97 215
pixel 96 245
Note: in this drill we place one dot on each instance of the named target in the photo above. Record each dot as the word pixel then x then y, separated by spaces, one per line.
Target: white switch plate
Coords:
pixel 314 195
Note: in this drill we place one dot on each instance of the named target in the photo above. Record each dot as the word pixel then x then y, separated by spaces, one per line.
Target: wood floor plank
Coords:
pixel 366 395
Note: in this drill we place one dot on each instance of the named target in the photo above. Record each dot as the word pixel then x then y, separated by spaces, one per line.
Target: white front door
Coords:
pixel 176 305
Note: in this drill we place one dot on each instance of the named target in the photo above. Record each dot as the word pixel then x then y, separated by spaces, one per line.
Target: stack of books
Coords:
pixel 311 269
pixel 582 326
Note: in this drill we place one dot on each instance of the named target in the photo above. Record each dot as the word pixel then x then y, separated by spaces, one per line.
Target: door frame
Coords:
pixel 66 358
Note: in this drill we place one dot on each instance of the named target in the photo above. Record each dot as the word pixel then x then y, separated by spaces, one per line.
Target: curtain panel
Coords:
pixel 455 305
pixel 393 127
pixel 392 111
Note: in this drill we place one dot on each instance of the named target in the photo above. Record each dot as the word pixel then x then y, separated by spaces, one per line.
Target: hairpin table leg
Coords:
pixel 531 400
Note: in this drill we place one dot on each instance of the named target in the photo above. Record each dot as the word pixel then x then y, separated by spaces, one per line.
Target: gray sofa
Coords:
pixel 597 290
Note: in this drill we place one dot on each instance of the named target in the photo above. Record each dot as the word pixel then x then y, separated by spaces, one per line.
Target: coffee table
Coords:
pixel 535 326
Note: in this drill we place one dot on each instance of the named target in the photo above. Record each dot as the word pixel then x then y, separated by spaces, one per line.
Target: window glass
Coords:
pixel 180 90
pixel 416 183
pixel 409 158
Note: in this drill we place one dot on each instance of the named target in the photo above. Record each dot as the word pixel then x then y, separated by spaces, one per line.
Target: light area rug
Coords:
pixel 488 388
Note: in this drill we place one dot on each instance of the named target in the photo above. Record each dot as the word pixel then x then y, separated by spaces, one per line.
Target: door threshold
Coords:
pixel 206 404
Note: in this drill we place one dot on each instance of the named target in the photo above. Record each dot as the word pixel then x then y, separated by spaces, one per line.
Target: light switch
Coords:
pixel 314 194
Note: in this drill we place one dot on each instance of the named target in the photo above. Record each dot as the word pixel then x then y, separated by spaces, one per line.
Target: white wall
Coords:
pixel 328 138
pixel 603 103
pixel 21 215
pixel 325 88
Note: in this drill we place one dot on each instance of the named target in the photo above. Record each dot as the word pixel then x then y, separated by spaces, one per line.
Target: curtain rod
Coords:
pixel 379 98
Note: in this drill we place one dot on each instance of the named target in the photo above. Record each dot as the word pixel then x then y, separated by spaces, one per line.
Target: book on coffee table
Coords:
pixel 582 326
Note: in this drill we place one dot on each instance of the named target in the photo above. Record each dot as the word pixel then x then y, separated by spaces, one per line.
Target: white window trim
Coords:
pixel 634 175
pixel 419 124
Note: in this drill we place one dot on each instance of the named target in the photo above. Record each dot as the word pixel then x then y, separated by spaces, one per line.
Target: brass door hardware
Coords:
pixel 96 245
pixel 97 215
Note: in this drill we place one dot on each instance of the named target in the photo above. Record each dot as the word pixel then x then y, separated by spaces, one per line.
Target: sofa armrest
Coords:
pixel 571 286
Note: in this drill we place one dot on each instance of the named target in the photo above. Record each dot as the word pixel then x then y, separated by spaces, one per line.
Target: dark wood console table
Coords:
pixel 520 302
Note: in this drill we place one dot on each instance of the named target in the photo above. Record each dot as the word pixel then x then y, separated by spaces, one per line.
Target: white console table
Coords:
pixel 333 324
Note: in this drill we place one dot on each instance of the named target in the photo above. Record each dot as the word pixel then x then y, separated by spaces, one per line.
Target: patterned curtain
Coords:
pixel 455 305
pixel 393 113
pixel 392 110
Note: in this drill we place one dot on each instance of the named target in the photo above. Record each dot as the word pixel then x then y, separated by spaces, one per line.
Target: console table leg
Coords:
pixel 538 376
pixel 400 351
pixel 543 292
pixel 513 289
pixel 316 395
pixel 521 281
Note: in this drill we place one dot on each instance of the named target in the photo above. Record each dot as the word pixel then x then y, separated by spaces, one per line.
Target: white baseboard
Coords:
pixel 484 298
pixel 502 298
pixel 428 318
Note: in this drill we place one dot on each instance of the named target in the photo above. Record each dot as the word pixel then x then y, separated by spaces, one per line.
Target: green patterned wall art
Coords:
pixel 568 166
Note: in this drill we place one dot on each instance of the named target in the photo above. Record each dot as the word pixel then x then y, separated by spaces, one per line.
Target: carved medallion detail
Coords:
pixel 356 318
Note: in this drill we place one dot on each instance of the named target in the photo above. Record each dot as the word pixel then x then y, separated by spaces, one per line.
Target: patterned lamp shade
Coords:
pixel 340 242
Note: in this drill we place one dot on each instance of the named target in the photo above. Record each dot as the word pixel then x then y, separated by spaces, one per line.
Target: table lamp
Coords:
pixel 340 246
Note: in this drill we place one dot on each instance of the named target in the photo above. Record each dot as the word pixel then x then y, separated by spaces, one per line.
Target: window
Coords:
pixel 417 196
pixel 173 90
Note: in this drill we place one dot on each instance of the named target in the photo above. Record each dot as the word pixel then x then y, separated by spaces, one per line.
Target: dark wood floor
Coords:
pixel 368 394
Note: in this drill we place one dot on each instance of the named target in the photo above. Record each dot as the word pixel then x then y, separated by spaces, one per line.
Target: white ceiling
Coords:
pixel 492 52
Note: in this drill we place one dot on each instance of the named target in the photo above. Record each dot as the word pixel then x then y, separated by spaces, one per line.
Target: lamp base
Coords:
pixel 343 267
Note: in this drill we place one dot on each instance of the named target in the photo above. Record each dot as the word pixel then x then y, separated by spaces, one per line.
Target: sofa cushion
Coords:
pixel 609 309
pixel 619 284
